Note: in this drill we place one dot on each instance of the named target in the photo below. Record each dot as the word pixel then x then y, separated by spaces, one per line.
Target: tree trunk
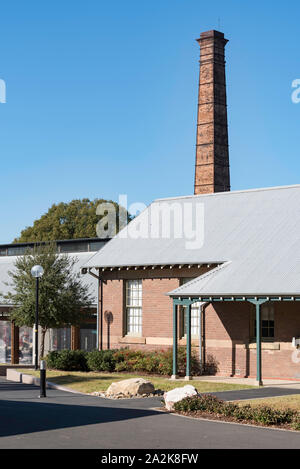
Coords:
pixel 42 348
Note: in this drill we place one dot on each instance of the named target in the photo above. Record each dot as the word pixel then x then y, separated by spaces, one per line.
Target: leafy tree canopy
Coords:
pixel 76 219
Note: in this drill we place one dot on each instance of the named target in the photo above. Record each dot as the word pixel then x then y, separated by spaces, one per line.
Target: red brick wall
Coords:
pixel 228 333
pixel 113 303
pixel 157 313
pixel 226 330
pixel 157 307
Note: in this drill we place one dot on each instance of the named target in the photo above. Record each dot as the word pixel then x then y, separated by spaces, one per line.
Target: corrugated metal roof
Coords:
pixel 258 231
pixel 7 264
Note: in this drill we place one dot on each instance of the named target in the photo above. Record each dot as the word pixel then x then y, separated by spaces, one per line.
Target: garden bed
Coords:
pixel 222 418
pixel 210 407
pixel 158 362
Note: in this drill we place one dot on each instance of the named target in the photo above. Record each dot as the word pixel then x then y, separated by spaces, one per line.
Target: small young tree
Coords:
pixel 63 299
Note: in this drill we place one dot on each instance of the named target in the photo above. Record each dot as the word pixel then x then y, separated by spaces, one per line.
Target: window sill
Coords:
pixel 131 339
pixel 194 341
pixel 264 346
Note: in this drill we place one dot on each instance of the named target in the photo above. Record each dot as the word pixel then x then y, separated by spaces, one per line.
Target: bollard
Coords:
pixel 43 378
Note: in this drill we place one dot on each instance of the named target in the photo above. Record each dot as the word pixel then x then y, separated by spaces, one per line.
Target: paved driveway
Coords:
pixel 66 420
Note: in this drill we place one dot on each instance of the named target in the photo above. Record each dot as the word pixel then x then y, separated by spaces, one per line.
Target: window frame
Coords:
pixel 269 308
pixel 183 320
pixel 182 314
pixel 138 307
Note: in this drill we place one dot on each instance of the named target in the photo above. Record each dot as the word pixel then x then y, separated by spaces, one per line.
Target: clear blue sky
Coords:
pixel 102 99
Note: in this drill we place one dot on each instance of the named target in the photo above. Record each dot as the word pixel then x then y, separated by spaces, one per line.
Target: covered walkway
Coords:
pixel 180 300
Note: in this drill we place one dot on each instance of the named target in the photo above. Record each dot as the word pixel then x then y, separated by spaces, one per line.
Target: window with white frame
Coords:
pixel 134 307
pixel 195 319
pixel 195 315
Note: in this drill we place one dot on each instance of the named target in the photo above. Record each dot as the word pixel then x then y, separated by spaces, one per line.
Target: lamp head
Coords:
pixel 37 271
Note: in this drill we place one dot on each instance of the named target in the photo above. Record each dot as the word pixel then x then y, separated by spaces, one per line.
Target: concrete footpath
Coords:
pixel 68 420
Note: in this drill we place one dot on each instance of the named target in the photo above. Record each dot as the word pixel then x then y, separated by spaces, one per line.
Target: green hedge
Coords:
pixel 265 415
pixel 67 360
pixel 158 362
pixel 101 360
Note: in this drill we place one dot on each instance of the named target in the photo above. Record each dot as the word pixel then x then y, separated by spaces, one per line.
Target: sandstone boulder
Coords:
pixel 130 387
pixel 177 395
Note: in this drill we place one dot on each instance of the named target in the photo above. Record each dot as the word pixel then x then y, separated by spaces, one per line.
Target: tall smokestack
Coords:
pixel 212 156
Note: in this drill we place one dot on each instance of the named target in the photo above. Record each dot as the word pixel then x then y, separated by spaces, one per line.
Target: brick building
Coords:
pixel 229 292
pixel 216 271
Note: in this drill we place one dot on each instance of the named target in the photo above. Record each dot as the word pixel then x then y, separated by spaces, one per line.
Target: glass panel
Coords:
pixel 60 339
pixel 267 312
pixel 74 247
pixel 96 245
pixel 88 337
pixel 5 341
pixel 25 345
pixel 16 251
pixel 267 329
pixel 195 319
pixel 134 320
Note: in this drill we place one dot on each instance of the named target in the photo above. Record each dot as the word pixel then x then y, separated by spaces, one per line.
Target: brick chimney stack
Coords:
pixel 212 156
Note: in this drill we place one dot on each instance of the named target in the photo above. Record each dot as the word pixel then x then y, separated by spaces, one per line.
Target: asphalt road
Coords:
pixel 66 420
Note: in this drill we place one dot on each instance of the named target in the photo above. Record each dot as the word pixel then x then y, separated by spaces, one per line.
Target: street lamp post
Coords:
pixel 37 272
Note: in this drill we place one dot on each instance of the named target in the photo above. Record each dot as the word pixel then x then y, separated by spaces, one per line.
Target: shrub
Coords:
pixel 67 360
pixel 101 360
pixel 265 415
pixel 229 409
pixel 159 362
pixel 165 361
pixel 244 412
pixel 150 363
pixel 203 403
pixel 296 421
pixel 269 416
pixel 121 366
pixel 129 360
pixel 126 354
pixel 165 358
pixel 51 359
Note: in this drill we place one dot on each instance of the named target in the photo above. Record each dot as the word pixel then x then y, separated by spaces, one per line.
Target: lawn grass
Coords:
pixel 283 402
pixel 92 382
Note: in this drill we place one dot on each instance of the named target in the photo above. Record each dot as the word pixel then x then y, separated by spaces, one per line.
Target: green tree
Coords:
pixel 63 299
pixel 76 219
